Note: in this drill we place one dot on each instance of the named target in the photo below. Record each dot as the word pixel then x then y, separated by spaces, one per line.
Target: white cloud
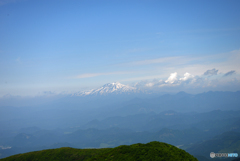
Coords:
pixel 149 84
pixel 88 75
pixel 186 76
pixel 172 78
pixel 155 61
pixel 191 83
pixel 200 68
pixel 196 65
pixel 141 78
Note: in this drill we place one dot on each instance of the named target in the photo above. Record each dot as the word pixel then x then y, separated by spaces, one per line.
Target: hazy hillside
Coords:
pixel 228 142
pixel 72 111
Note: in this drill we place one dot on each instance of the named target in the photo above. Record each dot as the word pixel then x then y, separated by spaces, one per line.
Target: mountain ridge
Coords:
pixel 151 151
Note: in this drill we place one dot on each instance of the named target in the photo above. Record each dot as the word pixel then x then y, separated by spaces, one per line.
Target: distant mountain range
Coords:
pixel 197 133
pixel 105 119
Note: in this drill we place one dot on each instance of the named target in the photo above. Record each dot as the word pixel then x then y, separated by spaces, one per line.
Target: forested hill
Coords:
pixel 150 151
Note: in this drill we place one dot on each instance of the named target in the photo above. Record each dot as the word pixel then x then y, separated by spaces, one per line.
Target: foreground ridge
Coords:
pixel 151 151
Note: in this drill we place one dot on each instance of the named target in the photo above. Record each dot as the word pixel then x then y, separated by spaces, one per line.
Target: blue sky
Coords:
pixel 74 45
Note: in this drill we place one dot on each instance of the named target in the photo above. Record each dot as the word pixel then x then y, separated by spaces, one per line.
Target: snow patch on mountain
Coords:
pixel 115 87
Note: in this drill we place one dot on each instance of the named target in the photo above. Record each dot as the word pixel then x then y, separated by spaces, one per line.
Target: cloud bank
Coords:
pixel 211 72
pixel 230 73
pixel 189 81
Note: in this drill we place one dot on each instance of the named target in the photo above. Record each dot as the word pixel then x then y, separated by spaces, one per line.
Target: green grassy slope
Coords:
pixel 150 151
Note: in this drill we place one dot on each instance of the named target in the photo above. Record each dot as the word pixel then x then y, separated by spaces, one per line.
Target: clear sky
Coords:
pixel 74 45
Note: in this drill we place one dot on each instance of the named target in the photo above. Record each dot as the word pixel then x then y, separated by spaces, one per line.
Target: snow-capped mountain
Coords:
pixel 116 88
